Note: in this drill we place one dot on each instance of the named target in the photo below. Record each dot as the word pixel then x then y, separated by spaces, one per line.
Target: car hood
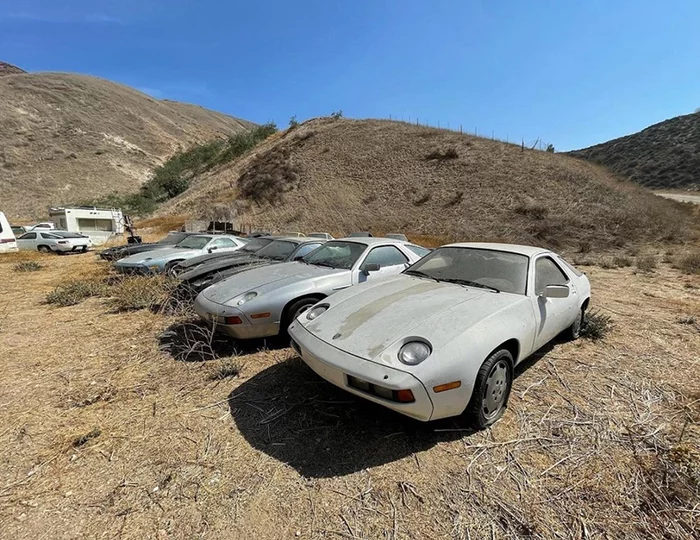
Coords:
pixel 220 263
pixel 156 254
pixel 208 257
pixel 373 317
pixel 266 279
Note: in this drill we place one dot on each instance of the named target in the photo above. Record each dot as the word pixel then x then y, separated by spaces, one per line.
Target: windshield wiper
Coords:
pixel 470 283
pixel 321 263
pixel 420 274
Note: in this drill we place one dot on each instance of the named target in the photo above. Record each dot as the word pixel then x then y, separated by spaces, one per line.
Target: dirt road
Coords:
pixel 682 197
pixel 104 434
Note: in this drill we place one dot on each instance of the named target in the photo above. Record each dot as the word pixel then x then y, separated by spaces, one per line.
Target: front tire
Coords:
pixel 491 390
pixel 574 331
pixel 44 249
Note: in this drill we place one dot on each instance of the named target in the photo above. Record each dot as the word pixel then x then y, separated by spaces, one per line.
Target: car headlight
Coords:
pixel 247 297
pixel 414 352
pixel 317 311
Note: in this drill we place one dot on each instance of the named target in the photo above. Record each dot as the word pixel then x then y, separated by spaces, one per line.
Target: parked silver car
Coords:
pixel 263 302
pixel 53 241
pixel 162 260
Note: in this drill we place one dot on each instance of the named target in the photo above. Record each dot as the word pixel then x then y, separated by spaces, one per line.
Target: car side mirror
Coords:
pixel 371 267
pixel 555 291
pixel 212 248
pixel 298 258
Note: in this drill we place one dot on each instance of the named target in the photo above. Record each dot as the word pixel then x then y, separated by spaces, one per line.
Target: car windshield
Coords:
pixel 336 255
pixel 500 270
pixel 194 242
pixel 278 250
pixel 256 244
pixel 173 238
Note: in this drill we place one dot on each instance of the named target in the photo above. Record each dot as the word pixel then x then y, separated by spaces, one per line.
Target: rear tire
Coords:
pixel 491 390
pixel 44 249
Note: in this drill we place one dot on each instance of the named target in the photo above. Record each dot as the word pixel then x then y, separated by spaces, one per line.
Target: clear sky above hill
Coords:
pixel 572 73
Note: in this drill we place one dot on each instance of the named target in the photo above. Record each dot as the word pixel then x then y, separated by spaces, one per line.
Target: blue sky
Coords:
pixel 573 73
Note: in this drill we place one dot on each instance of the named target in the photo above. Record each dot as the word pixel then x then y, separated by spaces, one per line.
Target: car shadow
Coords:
pixel 296 417
pixel 193 340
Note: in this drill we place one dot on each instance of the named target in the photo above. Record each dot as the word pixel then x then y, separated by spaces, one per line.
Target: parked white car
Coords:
pixel 8 242
pixel 46 226
pixel 56 241
pixel 444 337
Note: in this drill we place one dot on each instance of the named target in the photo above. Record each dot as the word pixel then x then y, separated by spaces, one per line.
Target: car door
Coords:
pixel 553 315
pixel 390 259
pixel 27 241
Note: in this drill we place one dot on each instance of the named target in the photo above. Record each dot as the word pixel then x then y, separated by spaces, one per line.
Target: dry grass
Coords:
pixel 71 138
pixel 601 438
pixel 647 263
pixel 27 266
pixel 690 263
pixel 161 225
pixel 372 175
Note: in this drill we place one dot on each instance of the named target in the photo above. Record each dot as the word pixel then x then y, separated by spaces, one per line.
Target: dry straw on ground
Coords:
pixel 103 430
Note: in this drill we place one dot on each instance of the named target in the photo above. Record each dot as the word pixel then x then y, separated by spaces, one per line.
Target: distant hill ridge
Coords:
pixel 67 138
pixel 663 156
pixel 341 175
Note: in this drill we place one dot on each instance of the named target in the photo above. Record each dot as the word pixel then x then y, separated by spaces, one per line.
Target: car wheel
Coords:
pixel 296 309
pixel 491 390
pixel 84 250
pixel 44 249
pixel 170 268
pixel 574 331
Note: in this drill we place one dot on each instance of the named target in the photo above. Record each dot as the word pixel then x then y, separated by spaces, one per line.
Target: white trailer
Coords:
pixel 97 223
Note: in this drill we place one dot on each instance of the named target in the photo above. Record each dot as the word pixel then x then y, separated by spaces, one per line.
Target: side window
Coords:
pixel 223 243
pixel 303 250
pixel 28 236
pixel 385 256
pixel 48 236
pixel 548 273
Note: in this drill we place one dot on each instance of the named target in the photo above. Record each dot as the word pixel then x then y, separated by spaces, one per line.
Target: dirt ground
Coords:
pixel 104 434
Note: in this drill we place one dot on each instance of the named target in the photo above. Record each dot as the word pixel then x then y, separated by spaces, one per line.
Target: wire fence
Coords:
pixel 536 144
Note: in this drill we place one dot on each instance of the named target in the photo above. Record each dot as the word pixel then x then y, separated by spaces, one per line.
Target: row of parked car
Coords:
pixel 427 333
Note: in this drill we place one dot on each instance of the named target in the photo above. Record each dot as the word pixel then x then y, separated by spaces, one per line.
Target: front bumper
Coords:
pixel 214 314
pixel 335 366
pixel 133 269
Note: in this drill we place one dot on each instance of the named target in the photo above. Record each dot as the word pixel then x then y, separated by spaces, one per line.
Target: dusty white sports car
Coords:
pixel 443 337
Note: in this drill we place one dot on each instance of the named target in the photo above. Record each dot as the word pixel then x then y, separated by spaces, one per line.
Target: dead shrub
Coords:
pixel 269 177
pixel 606 263
pixel 194 341
pixel 689 319
pixel 422 200
pixel 456 199
pixel 141 292
pixel 27 266
pixel 227 368
pixel 646 263
pixel 449 153
pixel 690 264
pixel 622 261
pixel 531 209
pixel 74 292
pixel 596 326
pixel 584 247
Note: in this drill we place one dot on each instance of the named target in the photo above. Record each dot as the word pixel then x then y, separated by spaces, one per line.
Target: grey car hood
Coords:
pixel 210 257
pixel 373 317
pixel 157 254
pixel 266 279
pixel 220 263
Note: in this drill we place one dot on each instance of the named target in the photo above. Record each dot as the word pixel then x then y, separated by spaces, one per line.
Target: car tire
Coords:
pixel 169 268
pixel 84 250
pixel 574 331
pixel 294 310
pixel 491 390
pixel 44 249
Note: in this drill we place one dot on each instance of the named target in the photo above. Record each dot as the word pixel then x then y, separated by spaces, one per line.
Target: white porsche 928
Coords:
pixel 442 338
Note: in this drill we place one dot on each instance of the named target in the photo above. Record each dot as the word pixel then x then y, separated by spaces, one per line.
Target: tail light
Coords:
pixel 6 240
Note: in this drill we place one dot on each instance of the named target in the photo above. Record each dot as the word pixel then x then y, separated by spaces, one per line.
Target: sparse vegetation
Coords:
pixel 439 155
pixel 74 292
pixel 141 292
pixel 227 368
pixel 269 177
pixel 596 326
pixel 646 263
pixel 174 176
pixel 622 260
pixel 27 266
pixel 688 319
pixel 550 148
pixel 84 439
pixel 458 197
pixel 336 115
pixel 293 122
pixel 690 264
pixel 422 199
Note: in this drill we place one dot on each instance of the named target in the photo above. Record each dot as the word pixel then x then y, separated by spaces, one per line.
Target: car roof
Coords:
pixel 529 251
pixel 369 240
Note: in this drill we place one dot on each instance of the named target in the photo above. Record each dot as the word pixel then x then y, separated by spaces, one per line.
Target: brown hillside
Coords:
pixel 9 69
pixel 345 175
pixel 663 156
pixel 68 138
